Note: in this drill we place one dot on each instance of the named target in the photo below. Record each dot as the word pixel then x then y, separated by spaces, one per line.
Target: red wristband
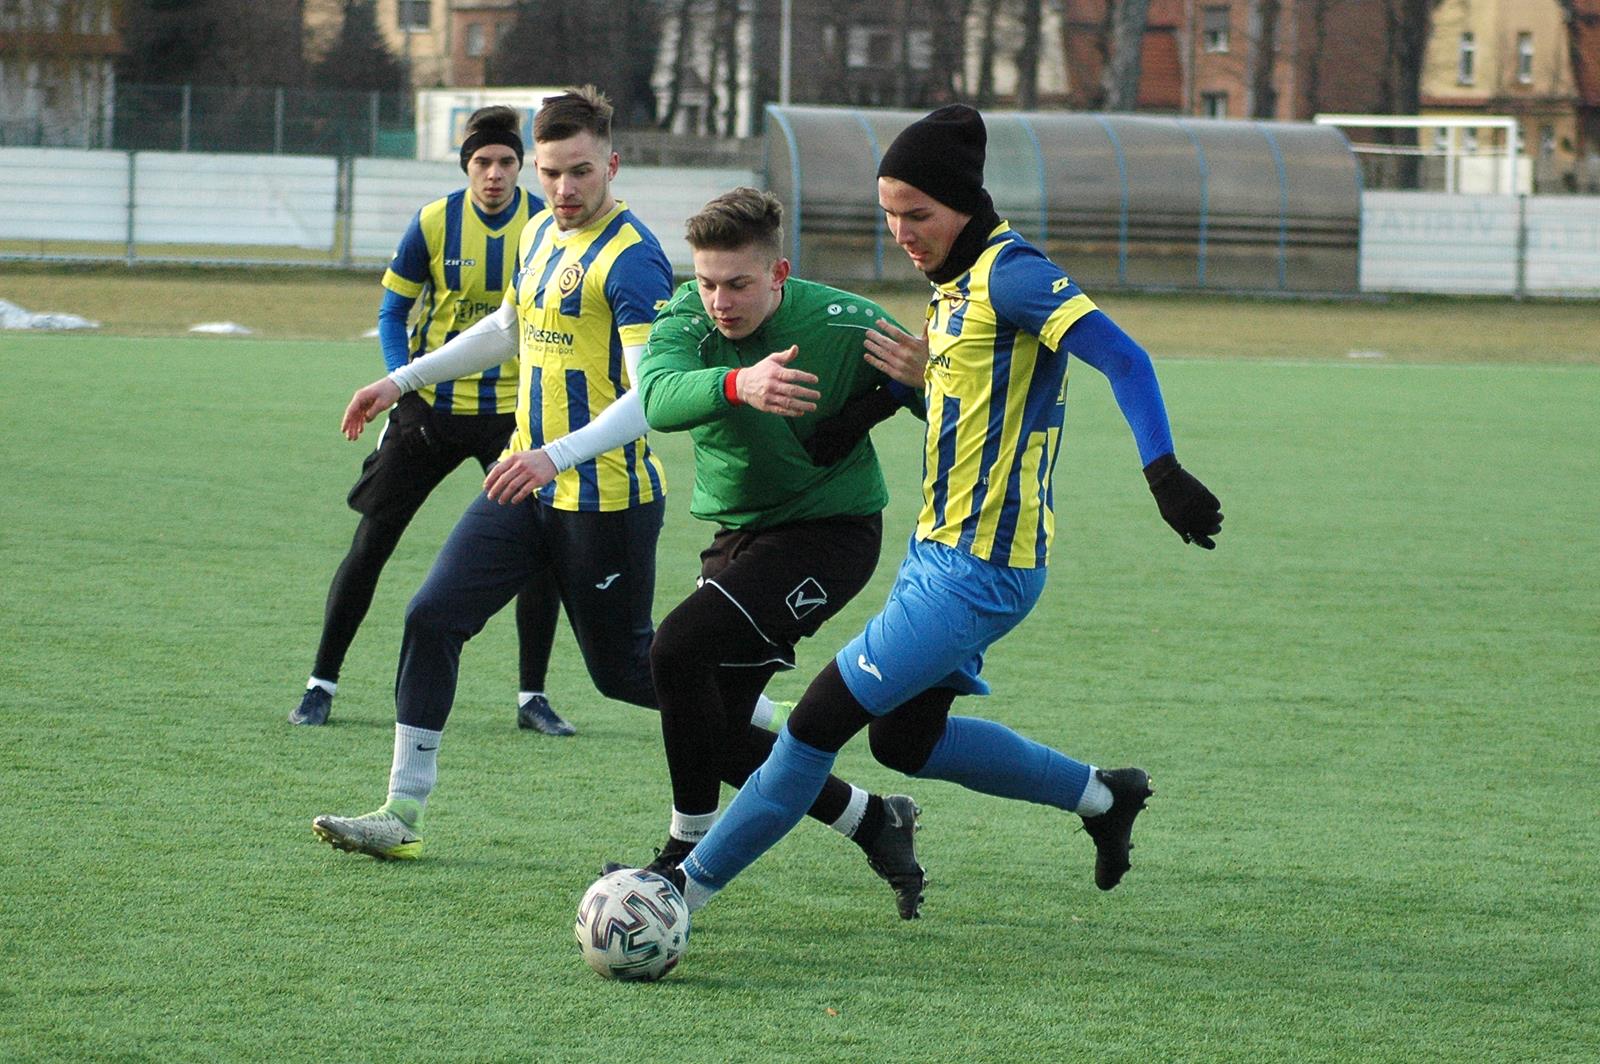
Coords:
pixel 730 387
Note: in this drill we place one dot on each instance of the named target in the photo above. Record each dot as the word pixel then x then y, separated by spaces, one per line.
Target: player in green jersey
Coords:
pixel 752 362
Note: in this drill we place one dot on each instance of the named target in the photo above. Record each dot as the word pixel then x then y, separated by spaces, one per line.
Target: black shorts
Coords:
pixel 788 580
pixel 418 448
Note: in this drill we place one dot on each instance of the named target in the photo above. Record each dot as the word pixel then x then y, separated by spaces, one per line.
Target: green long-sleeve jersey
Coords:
pixel 750 468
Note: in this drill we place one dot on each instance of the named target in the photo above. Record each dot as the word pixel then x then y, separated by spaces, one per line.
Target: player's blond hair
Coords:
pixel 742 218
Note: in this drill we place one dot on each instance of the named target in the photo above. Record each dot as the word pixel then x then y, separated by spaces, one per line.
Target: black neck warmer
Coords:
pixel 969 243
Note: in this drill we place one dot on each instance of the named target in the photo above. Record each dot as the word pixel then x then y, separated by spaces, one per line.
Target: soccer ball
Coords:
pixel 632 925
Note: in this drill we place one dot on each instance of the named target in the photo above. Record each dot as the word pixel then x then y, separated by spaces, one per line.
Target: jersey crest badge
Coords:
pixel 570 279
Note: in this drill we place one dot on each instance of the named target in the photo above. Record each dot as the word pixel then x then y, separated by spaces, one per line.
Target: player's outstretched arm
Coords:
pixel 367 404
pixel 773 387
pixel 897 354
pixel 1187 505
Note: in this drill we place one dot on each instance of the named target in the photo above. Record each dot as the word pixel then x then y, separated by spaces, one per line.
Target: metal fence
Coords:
pixel 216 208
pixel 188 118
pixel 65 204
pixel 1480 245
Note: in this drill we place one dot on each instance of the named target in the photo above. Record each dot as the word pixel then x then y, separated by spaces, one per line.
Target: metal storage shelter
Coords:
pixel 1120 200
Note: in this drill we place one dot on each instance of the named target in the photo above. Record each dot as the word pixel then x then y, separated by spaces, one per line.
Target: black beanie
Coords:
pixel 942 155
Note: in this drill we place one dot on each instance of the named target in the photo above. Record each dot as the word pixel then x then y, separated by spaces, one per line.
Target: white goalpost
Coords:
pixel 1481 153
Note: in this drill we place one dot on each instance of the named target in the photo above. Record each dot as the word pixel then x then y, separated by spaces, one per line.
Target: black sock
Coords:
pixel 871 825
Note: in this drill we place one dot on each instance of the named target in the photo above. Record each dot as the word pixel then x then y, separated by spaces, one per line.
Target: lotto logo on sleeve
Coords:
pixel 805 598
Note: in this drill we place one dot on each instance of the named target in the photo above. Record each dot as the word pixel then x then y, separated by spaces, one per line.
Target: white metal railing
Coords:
pixel 63 203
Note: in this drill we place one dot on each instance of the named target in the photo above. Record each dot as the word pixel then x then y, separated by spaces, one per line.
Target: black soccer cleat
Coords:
pixel 1113 829
pixel 893 854
pixel 314 707
pixel 536 715
pixel 667 860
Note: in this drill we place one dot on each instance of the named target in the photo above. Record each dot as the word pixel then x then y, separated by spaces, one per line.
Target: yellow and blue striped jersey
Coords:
pixel 581 297
pixel 459 261
pixel 997 394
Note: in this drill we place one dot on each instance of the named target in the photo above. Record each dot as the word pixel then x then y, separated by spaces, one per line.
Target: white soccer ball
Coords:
pixel 632 925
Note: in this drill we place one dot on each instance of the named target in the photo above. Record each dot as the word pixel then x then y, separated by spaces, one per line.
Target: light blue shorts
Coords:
pixel 945 609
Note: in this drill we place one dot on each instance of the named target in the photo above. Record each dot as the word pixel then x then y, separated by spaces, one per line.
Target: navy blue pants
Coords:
pixel 603 564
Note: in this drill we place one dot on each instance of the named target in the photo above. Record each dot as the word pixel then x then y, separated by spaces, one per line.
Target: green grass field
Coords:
pixel 1370 716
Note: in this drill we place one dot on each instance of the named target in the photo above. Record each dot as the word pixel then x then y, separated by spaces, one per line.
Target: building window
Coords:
pixel 1214 29
pixel 414 15
pixel 871 46
pixel 1214 104
pixel 1525 58
pixel 919 49
pixel 1468 52
pixel 475 39
pixel 1547 140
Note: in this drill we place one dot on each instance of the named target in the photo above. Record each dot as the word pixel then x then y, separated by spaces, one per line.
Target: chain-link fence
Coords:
pixel 193 118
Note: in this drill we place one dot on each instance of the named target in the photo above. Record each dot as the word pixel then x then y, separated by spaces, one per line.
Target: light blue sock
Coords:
pixel 988 757
pixel 771 802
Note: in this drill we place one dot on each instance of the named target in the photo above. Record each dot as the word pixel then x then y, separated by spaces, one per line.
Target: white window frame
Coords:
pixel 401 7
pixel 1214 104
pixel 1524 58
pixel 1466 59
pixel 477 40
pixel 1215 41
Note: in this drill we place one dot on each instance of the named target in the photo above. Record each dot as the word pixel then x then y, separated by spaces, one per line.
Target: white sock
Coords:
pixel 524 697
pixel 1096 796
pixel 327 685
pixel 854 810
pixel 763 714
pixel 416 763
pixel 696 893
pixel 691 827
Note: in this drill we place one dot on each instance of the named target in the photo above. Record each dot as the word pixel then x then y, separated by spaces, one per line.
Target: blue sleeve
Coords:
pixel 1097 340
pixel 392 315
pixel 638 284
pixel 1035 295
pixel 412 259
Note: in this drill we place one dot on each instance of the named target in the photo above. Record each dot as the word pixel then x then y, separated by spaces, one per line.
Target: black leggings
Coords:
pixel 356 581
pixel 706 706
pixel 829 716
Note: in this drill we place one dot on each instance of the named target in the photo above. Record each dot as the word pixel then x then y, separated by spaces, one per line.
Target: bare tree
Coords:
pixel 682 55
pixel 1317 12
pixel 359 59
pixel 1263 57
pixel 1578 18
pixel 985 94
pixel 1028 56
pixel 1120 78
pixel 211 42
pixel 1407 25
pixel 728 30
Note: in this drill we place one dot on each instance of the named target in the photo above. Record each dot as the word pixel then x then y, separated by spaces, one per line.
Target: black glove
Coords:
pixel 1185 503
pixel 836 436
